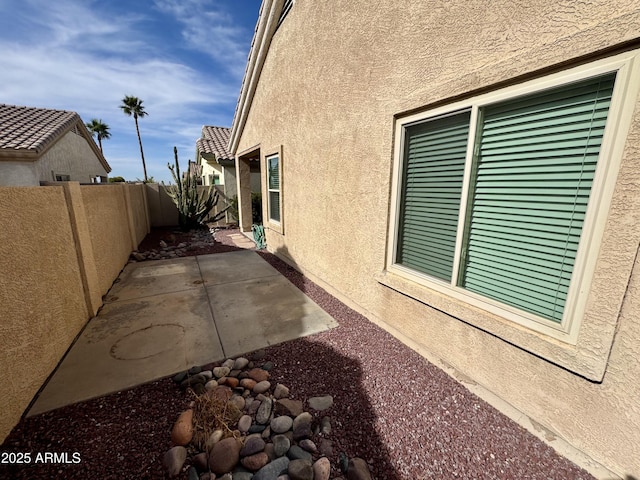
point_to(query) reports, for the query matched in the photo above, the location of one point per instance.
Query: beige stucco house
(44, 145)
(465, 174)
(216, 165)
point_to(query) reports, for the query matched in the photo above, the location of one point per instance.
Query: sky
(184, 58)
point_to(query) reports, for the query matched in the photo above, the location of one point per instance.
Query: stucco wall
(211, 168)
(140, 212)
(106, 212)
(71, 155)
(163, 211)
(19, 174)
(365, 64)
(70, 236)
(38, 319)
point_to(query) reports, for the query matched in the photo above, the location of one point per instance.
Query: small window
(273, 184)
(59, 177)
(216, 179)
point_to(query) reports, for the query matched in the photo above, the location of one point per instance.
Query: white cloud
(209, 29)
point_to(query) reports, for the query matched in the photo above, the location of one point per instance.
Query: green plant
(233, 207)
(256, 207)
(133, 106)
(193, 205)
(148, 180)
(116, 179)
(100, 130)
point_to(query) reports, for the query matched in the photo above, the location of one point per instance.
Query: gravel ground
(403, 415)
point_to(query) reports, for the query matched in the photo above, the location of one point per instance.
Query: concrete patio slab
(143, 279)
(162, 317)
(132, 342)
(233, 267)
(255, 313)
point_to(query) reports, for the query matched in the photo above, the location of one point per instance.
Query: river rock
(297, 453)
(173, 460)
(224, 455)
(240, 363)
(244, 424)
(286, 406)
(281, 424)
(300, 470)
(251, 446)
(200, 461)
(264, 411)
(280, 391)
(262, 387)
(321, 403)
(358, 470)
(182, 431)
(248, 383)
(258, 374)
(308, 445)
(322, 469)
(256, 461)
(220, 372)
(272, 469)
(281, 445)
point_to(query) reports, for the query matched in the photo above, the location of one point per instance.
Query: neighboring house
(216, 165)
(45, 145)
(466, 175)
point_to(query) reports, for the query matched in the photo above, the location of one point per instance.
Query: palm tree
(100, 130)
(133, 106)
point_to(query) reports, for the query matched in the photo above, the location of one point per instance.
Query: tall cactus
(193, 206)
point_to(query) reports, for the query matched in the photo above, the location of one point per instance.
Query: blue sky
(184, 58)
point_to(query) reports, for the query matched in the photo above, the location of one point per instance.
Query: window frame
(273, 224)
(618, 123)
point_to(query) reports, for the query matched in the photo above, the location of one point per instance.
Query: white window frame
(273, 224)
(619, 120)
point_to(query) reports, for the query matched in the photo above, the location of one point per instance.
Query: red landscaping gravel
(405, 417)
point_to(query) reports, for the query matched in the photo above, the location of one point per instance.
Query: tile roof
(215, 140)
(33, 129)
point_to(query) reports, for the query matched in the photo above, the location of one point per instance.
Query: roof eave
(89, 138)
(265, 28)
(18, 154)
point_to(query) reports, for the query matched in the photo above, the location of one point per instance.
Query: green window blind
(274, 188)
(274, 206)
(274, 173)
(534, 172)
(434, 162)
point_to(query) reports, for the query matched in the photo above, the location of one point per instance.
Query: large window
(273, 187)
(496, 199)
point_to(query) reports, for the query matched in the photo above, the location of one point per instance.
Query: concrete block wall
(61, 248)
(162, 210)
